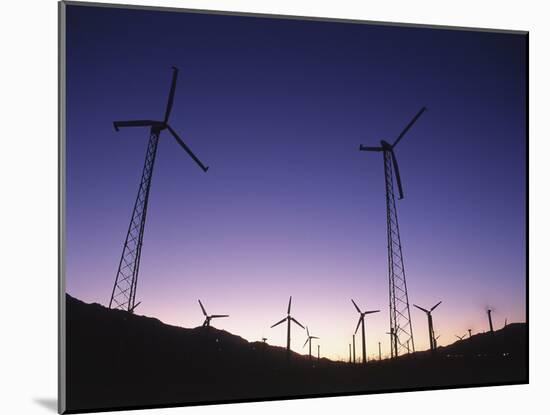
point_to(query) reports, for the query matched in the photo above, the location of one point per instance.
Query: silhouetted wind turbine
(379, 351)
(362, 323)
(400, 315)
(123, 296)
(208, 318)
(430, 323)
(309, 338)
(490, 320)
(435, 340)
(264, 339)
(470, 332)
(288, 319)
(460, 337)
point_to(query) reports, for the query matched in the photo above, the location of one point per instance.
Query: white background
(28, 203)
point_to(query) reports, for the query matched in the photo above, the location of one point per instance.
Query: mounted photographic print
(258, 207)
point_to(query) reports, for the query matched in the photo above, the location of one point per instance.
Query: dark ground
(117, 360)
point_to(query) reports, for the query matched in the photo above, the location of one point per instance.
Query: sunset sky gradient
(277, 108)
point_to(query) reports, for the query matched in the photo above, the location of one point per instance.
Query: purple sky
(277, 109)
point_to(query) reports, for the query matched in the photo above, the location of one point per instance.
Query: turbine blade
(187, 149)
(409, 125)
(202, 308)
(276, 324)
(358, 323)
(433, 308)
(367, 148)
(314, 337)
(289, 303)
(420, 308)
(134, 307)
(397, 175)
(171, 94)
(305, 343)
(307, 330)
(356, 307)
(297, 322)
(219, 315)
(135, 123)
(371, 312)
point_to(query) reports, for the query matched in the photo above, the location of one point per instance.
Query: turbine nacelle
(388, 148)
(158, 126)
(288, 317)
(429, 312)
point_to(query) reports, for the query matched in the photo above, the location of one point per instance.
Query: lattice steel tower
(400, 315)
(124, 290)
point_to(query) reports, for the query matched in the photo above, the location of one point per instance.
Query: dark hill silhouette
(118, 360)
(510, 340)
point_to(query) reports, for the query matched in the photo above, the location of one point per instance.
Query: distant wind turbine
(288, 319)
(430, 323)
(309, 338)
(490, 320)
(435, 340)
(208, 318)
(362, 323)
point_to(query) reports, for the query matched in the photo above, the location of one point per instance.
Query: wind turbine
(288, 319)
(400, 315)
(460, 337)
(490, 320)
(435, 340)
(309, 338)
(208, 318)
(430, 324)
(123, 296)
(362, 323)
(470, 332)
